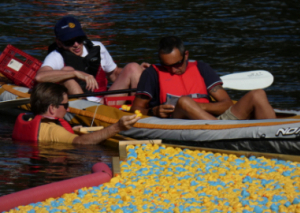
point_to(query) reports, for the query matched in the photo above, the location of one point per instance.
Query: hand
(126, 122)
(163, 111)
(76, 128)
(145, 65)
(91, 83)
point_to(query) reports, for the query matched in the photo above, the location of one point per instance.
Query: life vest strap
(198, 95)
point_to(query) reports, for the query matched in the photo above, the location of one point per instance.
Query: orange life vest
(190, 83)
(28, 130)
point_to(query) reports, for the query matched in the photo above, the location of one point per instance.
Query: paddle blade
(14, 103)
(249, 80)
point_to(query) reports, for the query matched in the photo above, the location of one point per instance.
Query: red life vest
(190, 83)
(25, 130)
(101, 80)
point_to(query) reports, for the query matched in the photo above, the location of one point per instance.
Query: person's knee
(133, 68)
(184, 102)
(257, 92)
(258, 95)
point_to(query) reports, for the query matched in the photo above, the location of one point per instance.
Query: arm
(141, 102)
(47, 74)
(215, 90)
(223, 101)
(125, 123)
(52, 69)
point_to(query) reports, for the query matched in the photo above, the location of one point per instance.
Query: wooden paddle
(249, 80)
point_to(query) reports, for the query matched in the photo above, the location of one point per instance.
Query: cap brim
(71, 35)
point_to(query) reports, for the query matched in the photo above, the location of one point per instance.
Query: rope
(94, 115)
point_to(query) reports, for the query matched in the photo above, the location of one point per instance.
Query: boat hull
(269, 135)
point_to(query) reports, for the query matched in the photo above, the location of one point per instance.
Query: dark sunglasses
(66, 105)
(71, 42)
(178, 64)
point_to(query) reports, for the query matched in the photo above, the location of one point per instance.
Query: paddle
(249, 80)
(110, 92)
(21, 101)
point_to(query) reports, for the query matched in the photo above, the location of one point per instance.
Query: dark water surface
(229, 35)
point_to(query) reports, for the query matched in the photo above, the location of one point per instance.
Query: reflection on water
(231, 36)
(24, 166)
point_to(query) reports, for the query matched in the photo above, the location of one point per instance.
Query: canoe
(280, 135)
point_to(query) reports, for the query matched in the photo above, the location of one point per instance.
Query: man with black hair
(83, 65)
(49, 104)
(180, 88)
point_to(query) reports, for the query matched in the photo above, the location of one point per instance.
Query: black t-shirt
(149, 85)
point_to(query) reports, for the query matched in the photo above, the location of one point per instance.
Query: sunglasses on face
(178, 64)
(66, 105)
(71, 42)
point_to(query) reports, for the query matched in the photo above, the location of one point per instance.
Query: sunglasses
(178, 64)
(71, 42)
(66, 105)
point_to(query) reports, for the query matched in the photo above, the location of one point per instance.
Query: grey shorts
(227, 115)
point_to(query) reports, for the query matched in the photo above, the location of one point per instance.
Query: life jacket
(28, 130)
(90, 64)
(190, 83)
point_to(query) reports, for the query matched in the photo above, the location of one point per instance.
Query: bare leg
(186, 107)
(71, 84)
(128, 78)
(255, 105)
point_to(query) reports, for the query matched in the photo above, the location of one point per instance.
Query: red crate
(112, 100)
(18, 66)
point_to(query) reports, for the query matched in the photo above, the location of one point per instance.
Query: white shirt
(56, 61)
